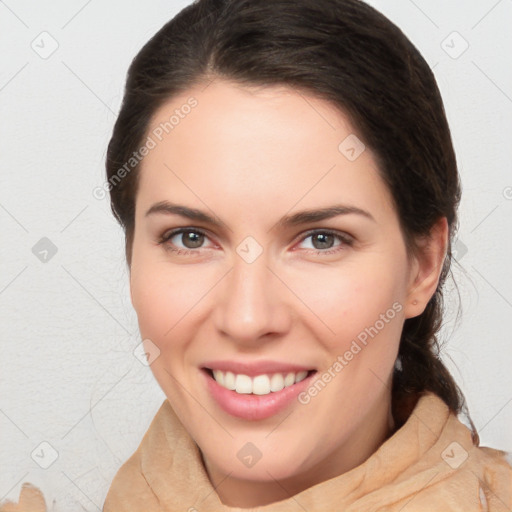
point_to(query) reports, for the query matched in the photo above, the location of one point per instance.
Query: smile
(255, 391)
(258, 385)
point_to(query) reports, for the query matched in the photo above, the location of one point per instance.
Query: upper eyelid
(167, 235)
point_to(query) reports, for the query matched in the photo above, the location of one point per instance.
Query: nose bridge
(251, 303)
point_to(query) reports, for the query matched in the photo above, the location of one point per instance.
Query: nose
(251, 303)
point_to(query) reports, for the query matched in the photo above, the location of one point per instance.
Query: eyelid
(345, 238)
(341, 234)
(171, 233)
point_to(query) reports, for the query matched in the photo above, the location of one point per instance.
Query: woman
(285, 177)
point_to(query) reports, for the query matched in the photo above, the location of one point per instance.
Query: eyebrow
(295, 219)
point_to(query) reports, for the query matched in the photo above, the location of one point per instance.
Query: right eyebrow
(168, 208)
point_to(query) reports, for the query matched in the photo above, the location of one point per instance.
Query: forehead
(265, 147)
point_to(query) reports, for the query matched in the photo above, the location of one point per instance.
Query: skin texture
(249, 157)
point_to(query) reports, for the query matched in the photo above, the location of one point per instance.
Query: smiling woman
(288, 239)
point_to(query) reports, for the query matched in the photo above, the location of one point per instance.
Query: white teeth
(289, 380)
(219, 376)
(276, 382)
(259, 385)
(301, 376)
(229, 380)
(243, 384)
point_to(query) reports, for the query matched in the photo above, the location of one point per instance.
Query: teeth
(289, 380)
(243, 384)
(219, 377)
(276, 382)
(259, 385)
(229, 380)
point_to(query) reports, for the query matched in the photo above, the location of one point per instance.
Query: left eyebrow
(308, 216)
(303, 217)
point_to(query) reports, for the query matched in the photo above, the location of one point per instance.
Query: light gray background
(68, 373)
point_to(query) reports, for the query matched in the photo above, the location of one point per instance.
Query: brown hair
(349, 54)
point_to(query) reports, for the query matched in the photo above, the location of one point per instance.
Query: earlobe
(429, 261)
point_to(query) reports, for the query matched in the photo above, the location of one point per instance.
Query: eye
(322, 241)
(191, 238)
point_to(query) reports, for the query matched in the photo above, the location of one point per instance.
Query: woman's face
(263, 297)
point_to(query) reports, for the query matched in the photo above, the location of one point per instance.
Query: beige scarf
(429, 464)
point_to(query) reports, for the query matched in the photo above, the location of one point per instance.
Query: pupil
(325, 238)
(193, 238)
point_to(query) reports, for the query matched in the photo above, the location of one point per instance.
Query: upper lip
(254, 368)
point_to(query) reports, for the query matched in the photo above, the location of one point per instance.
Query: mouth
(263, 384)
(257, 396)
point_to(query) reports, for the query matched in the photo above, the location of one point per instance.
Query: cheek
(352, 300)
(161, 298)
(170, 301)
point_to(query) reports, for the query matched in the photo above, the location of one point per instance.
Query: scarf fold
(429, 464)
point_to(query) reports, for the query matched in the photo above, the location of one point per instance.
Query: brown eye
(324, 241)
(191, 239)
(183, 240)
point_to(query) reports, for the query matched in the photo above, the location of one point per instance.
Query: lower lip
(254, 407)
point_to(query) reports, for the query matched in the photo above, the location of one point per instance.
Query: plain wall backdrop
(68, 374)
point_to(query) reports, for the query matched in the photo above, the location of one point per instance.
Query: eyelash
(346, 241)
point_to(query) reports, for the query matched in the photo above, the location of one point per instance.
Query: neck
(353, 451)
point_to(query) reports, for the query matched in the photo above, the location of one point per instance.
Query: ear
(426, 268)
